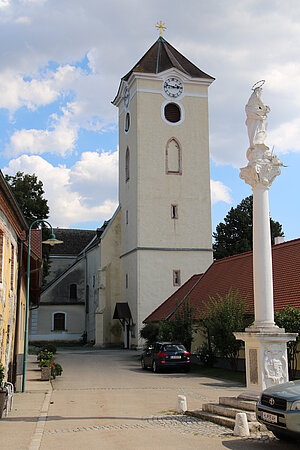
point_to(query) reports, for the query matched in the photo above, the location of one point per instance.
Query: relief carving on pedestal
(275, 364)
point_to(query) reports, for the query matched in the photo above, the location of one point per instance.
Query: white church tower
(164, 180)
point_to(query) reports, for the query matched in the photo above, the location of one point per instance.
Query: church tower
(164, 180)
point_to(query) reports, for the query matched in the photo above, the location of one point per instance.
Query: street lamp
(50, 241)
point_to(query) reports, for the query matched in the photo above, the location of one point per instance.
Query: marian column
(265, 342)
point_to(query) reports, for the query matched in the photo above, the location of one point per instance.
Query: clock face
(126, 96)
(173, 87)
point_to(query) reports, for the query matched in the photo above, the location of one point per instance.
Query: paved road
(105, 401)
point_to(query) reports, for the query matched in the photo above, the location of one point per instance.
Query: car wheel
(187, 369)
(144, 367)
(155, 367)
(282, 436)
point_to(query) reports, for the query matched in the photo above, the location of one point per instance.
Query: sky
(60, 66)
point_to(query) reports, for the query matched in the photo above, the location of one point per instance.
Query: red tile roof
(35, 242)
(236, 272)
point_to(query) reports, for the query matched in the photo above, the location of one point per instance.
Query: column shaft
(262, 258)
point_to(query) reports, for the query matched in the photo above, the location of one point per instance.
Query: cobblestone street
(105, 401)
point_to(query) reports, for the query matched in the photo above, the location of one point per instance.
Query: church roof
(163, 56)
(236, 272)
(74, 241)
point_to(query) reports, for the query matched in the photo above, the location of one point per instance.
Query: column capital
(263, 167)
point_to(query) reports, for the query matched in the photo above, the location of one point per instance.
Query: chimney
(278, 240)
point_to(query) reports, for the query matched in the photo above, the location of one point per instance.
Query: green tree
(29, 194)
(234, 235)
(177, 329)
(150, 333)
(225, 316)
(289, 318)
(180, 328)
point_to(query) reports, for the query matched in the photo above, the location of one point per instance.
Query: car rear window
(174, 348)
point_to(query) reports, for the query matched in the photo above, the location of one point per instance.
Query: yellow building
(13, 261)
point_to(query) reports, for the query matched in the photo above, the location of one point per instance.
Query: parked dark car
(279, 410)
(166, 355)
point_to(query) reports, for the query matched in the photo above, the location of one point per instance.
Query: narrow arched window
(59, 322)
(173, 157)
(127, 165)
(73, 291)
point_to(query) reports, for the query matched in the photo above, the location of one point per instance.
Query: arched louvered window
(172, 112)
(173, 157)
(127, 164)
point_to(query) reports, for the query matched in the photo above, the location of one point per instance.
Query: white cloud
(220, 192)
(4, 4)
(59, 138)
(286, 137)
(68, 204)
(23, 20)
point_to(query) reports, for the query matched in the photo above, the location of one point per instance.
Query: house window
(73, 291)
(1, 256)
(173, 157)
(172, 112)
(94, 280)
(126, 216)
(59, 321)
(174, 211)
(176, 278)
(12, 267)
(126, 280)
(127, 165)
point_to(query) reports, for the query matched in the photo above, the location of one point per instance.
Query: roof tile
(236, 272)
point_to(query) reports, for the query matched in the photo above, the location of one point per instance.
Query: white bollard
(241, 427)
(182, 404)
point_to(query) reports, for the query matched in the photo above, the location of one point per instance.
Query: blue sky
(60, 67)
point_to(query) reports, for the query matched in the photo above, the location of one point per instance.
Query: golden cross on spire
(161, 27)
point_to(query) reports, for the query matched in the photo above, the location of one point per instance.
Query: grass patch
(219, 373)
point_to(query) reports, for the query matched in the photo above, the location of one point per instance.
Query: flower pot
(46, 373)
(2, 401)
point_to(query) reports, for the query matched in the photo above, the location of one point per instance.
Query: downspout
(85, 296)
(17, 324)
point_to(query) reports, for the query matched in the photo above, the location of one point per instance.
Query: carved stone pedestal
(266, 359)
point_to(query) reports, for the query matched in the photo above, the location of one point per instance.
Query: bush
(207, 355)
(150, 332)
(225, 316)
(180, 328)
(289, 318)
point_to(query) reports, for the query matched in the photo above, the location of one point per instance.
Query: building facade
(62, 313)
(13, 277)
(164, 179)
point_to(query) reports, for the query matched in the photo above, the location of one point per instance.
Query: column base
(266, 358)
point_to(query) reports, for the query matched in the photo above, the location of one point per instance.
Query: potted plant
(45, 362)
(56, 370)
(2, 390)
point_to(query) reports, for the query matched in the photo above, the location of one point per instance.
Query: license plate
(175, 357)
(268, 417)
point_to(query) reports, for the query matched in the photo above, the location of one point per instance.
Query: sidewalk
(18, 428)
